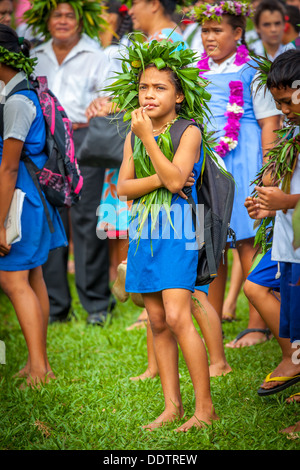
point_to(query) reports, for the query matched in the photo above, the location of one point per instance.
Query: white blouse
(263, 102)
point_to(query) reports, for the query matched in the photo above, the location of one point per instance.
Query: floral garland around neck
(234, 110)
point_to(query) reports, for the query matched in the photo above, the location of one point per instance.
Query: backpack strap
(32, 169)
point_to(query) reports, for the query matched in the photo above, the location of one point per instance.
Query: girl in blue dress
(20, 263)
(244, 121)
(162, 256)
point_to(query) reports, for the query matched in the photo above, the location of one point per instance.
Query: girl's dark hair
(268, 5)
(11, 41)
(175, 80)
(238, 22)
(285, 70)
(293, 17)
(169, 6)
(124, 19)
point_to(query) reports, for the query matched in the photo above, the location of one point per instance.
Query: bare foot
(139, 323)
(23, 373)
(34, 380)
(295, 428)
(217, 370)
(148, 374)
(165, 418)
(200, 420)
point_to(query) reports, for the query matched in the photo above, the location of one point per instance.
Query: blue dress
(36, 242)
(246, 159)
(167, 258)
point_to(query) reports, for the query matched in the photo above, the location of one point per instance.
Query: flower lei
(17, 60)
(214, 12)
(234, 110)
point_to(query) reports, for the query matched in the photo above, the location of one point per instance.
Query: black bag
(104, 142)
(215, 191)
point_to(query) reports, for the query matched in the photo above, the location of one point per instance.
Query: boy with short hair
(282, 81)
(269, 21)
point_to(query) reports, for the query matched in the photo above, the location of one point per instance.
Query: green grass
(94, 406)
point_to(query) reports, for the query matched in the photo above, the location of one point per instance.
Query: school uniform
(23, 120)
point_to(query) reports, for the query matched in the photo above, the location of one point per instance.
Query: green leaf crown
(163, 54)
(88, 13)
(17, 60)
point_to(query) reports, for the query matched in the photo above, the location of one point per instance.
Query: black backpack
(215, 191)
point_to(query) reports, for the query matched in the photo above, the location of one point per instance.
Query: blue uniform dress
(245, 160)
(36, 242)
(167, 258)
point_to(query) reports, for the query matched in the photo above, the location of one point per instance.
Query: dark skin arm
(9, 167)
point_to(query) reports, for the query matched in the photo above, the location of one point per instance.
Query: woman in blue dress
(244, 120)
(20, 263)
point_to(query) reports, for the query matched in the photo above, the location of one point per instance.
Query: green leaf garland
(17, 60)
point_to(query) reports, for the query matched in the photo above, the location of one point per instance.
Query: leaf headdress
(163, 54)
(17, 60)
(88, 12)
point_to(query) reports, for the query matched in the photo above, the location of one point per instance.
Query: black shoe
(99, 318)
(61, 318)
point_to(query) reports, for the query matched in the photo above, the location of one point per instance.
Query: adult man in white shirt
(77, 69)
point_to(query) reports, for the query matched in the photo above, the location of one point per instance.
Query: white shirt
(282, 248)
(19, 111)
(79, 79)
(263, 103)
(258, 48)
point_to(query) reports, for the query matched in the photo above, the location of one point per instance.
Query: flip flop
(291, 398)
(287, 382)
(266, 331)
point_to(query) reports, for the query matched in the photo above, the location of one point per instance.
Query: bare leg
(217, 288)
(152, 369)
(166, 352)
(246, 252)
(30, 315)
(268, 305)
(38, 285)
(179, 320)
(236, 282)
(210, 326)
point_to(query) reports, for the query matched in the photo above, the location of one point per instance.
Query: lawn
(94, 406)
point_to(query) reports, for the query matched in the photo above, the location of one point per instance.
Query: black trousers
(91, 255)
